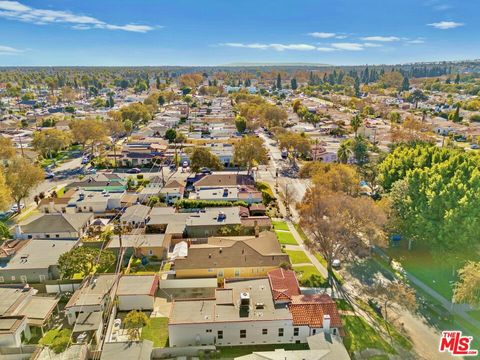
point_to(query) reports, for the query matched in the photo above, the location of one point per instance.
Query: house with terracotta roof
(244, 312)
(317, 312)
(284, 285)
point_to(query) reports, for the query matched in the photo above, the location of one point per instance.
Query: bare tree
(340, 224)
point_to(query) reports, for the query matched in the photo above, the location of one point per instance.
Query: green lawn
(361, 336)
(49, 336)
(475, 314)
(298, 257)
(309, 276)
(436, 271)
(229, 352)
(280, 225)
(156, 331)
(285, 237)
(302, 234)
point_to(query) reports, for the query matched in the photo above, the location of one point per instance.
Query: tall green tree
(22, 177)
(279, 82)
(201, 157)
(293, 84)
(249, 152)
(355, 123)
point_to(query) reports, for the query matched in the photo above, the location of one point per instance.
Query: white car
(336, 263)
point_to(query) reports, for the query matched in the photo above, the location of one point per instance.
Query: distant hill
(297, 64)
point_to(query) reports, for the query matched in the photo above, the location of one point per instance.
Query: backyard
(157, 331)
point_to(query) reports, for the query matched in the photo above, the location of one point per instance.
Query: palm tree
(355, 123)
(344, 152)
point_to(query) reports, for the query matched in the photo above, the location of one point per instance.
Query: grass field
(298, 257)
(156, 331)
(436, 271)
(280, 225)
(309, 276)
(361, 336)
(285, 237)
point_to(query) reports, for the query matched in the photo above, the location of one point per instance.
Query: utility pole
(21, 146)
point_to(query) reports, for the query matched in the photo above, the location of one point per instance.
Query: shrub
(61, 341)
(475, 117)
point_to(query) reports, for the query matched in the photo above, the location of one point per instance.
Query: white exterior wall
(61, 235)
(196, 334)
(135, 302)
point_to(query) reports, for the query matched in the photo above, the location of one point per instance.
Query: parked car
(185, 164)
(336, 263)
(14, 208)
(475, 146)
(134, 171)
(49, 175)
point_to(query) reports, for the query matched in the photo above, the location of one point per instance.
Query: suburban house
(93, 295)
(135, 216)
(56, 204)
(172, 191)
(209, 221)
(151, 189)
(244, 313)
(96, 202)
(231, 193)
(55, 226)
(284, 285)
(100, 182)
(137, 292)
(232, 257)
(225, 179)
(20, 311)
(139, 245)
(31, 261)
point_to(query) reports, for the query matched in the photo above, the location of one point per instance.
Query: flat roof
(137, 285)
(132, 350)
(38, 309)
(210, 216)
(262, 307)
(11, 295)
(92, 291)
(38, 254)
(137, 240)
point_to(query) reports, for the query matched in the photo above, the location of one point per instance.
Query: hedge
(200, 204)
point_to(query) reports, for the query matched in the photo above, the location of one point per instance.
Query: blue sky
(215, 32)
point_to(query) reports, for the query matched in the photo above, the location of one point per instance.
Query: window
(23, 279)
(280, 332)
(264, 331)
(42, 278)
(220, 334)
(314, 331)
(237, 272)
(334, 331)
(295, 331)
(47, 236)
(150, 253)
(13, 278)
(2, 280)
(208, 330)
(243, 334)
(57, 235)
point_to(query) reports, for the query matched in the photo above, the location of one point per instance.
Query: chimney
(256, 228)
(326, 323)
(50, 206)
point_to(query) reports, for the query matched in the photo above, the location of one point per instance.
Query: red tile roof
(309, 310)
(283, 283)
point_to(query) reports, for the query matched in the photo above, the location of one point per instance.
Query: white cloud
(8, 50)
(322, 35)
(327, 35)
(348, 46)
(325, 49)
(277, 47)
(14, 10)
(380, 38)
(372, 45)
(444, 25)
(416, 41)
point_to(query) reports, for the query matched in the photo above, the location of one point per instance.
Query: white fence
(61, 288)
